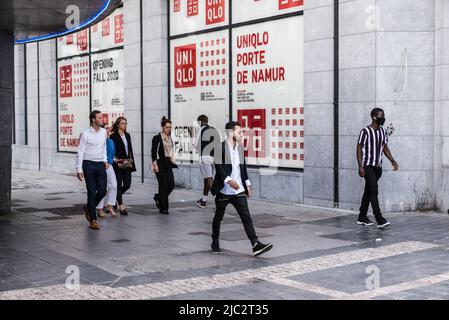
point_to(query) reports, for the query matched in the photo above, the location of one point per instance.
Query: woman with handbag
(124, 160)
(163, 156)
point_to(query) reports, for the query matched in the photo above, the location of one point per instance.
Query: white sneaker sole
(202, 207)
(265, 249)
(365, 224)
(381, 226)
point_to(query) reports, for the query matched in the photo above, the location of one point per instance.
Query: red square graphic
(81, 40)
(254, 124)
(105, 27)
(192, 8)
(118, 29)
(286, 4)
(65, 81)
(215, 11)
(185, 66)
(69, 39)
(105, 118)
(176, 5)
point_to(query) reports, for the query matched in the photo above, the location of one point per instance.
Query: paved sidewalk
(318, 253)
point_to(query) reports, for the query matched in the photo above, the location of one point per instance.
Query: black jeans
(96, 183)
(240, 203)
(372, 176)
(123, 183)
(166, 182)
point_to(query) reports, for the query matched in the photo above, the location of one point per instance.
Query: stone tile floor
(318, 253)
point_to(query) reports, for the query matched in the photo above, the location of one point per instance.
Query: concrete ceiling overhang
(34, 20)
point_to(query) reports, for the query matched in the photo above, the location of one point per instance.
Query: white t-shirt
(125, 142)
(235, 174)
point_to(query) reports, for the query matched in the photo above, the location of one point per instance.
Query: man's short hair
(232, 124)
(375, 111)
(93, 115)
(203, 118)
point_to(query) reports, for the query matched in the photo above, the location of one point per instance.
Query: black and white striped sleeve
(362, 137)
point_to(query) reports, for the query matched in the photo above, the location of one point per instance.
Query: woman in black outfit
(123, 151)
(163, 156)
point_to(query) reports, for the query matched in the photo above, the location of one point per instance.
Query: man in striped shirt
(372, 144)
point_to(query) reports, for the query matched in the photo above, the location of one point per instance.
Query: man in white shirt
(231, 185)
(91, 165)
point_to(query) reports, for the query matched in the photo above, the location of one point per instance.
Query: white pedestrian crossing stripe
(273, 273)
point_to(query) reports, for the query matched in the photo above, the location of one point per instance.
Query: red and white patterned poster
(268, 91)
(73, 44)
(248, 10)
(108, 33)
(73, 101)
(197, 15)
(199, 85)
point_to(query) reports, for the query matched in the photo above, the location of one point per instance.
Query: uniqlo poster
(247, 10)
(73, 44)
(196, 15)
(108, 33)
(199, 84)
(73, 101)
(268, 93)
(108, 87)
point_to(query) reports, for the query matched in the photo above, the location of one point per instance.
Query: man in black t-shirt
(207, 137)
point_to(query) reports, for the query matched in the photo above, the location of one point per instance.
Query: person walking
(372, 144)
(91, 165)
(124, 160)
(232, 186)
(111, 197)
(207, 137)
(163, 157)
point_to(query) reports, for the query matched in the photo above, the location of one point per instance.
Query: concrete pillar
(6, 113)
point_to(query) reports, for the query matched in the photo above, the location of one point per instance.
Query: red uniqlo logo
(118, 28)
(81, 40)
(176, 5)
(69, 39)
(286, 4)
(215, 11)
(185, 66)
(254, 124)
(192, 8)
(105, 118)
(105, 27)
(65, 81)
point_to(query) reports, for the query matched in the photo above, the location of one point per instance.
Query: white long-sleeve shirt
(235, 174)
(92, 147)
